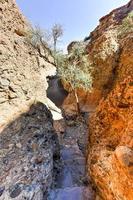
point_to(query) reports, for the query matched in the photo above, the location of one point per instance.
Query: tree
(75, 70)
(57, 32)
(37, 36)
(45, 38)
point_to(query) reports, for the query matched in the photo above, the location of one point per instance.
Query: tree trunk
(54, 46)
(77, 101)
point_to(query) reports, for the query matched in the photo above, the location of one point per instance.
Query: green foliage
(75, 68)
(127, 25)
(36, 37)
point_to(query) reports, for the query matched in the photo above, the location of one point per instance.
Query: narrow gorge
(58, 142)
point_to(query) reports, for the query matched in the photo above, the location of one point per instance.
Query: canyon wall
(105, 50)
(28, 141)
(27, 137)
(110, 160)
(23, 69)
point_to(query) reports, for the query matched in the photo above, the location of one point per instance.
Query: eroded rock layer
(23, 69)
(111, 147)
(27, 139)
(111, 153)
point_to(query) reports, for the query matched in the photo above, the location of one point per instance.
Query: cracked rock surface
(27, 148)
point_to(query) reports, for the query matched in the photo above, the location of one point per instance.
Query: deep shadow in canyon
(56, 92)
(28, 148)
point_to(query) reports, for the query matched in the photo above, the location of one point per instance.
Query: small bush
(109, 46)
(75, 68)
(127, 25)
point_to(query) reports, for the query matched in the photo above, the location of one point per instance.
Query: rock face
(27, 148)
(87, 101)
(110, 158)
(26, 131)
(111, 131)
(107, 52)
(23, 69)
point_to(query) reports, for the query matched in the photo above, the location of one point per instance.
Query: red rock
(111, 125)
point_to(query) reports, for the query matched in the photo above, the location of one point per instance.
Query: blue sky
(78, 17)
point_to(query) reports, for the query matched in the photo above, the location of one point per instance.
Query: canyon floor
(72, 181)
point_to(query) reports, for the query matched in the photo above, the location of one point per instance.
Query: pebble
(19, 145)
